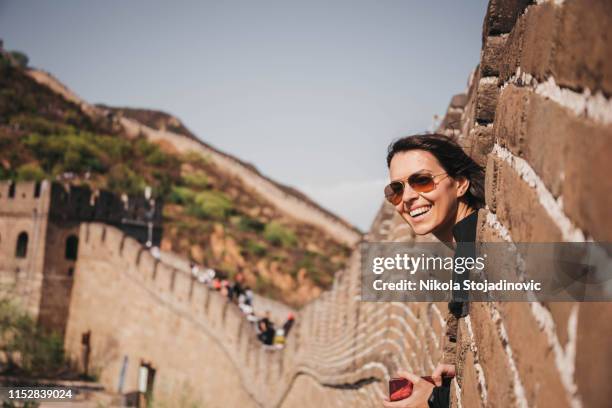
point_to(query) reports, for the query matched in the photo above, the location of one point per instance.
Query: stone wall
(148, 312)
(540, 118)
(135, 306)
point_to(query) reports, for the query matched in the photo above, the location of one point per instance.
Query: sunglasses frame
(407, 180)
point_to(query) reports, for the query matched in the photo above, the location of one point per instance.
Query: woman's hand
(420, 393)
(443, 370)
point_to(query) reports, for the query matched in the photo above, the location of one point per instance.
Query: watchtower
(39, 239)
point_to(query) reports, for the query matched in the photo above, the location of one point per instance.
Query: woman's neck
(445, 233)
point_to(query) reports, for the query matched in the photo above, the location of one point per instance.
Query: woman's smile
(419, 212)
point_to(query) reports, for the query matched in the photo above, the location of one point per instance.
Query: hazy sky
(311, 92)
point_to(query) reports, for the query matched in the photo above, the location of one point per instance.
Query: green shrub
(250, 224)
(279, 235)
(181, 195)
(116, 148)
(255, 248)
(77, 152)
(30, 172)
(319, 277)
(28, 348)
(197, 180)
(196, 158)
(157, 158)
(211, 205)
(121, 179)
(38, 124)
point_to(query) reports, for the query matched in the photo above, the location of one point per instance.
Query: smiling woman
(436, 188)
(434, 184)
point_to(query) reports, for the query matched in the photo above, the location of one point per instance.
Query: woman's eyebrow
(412, 174)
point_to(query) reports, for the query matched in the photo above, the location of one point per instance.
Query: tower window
(22, 245)
(72, 247)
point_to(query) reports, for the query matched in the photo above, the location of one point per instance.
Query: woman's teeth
(419, 211)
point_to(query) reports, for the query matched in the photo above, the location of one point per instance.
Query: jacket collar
(465, 230)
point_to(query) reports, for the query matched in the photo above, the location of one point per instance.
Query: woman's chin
(422, 231)
(421, 228)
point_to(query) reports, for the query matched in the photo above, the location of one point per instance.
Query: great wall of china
(538, 114)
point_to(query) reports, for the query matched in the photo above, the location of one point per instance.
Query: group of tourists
(269, 335)
(237, 292)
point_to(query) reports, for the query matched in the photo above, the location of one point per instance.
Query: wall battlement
(68, 203)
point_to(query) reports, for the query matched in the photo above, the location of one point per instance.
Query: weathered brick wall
(545, 83)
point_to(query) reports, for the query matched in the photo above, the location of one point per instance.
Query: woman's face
(440, 204)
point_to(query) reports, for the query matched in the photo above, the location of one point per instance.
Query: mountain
(218, 210)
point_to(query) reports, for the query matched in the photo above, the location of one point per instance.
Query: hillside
(210, 215)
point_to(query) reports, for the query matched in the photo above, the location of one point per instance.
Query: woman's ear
(463, 184)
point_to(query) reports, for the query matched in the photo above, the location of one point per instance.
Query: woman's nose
(409, 194)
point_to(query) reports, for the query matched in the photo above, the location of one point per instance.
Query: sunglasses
(421, 182)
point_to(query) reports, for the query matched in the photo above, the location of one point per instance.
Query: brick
(594, 354)
(491, 179)
(492, 356)
(486, 233)
(486, 102)
(501, 16)
(458, 101)
(509, 127)
(587, 186)
(482, 142)
(470, 389)
(533, 356)
(554, 142)
(452, 119)
(535, 129)
(584, 45)
(531, 43)
(538, 40)
(560, 312)
(526, 219)
(492, 55)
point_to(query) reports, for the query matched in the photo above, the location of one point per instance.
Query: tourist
(195, 270)
(248, 293)
(433, 173)
(288, 324)
(279, 339)
(266, 329)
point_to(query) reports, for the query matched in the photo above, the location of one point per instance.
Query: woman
(436, 188)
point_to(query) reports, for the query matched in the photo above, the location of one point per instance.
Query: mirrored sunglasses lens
(394, 192)
(421, 183)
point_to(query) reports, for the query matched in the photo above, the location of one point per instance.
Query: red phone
(401, 388)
